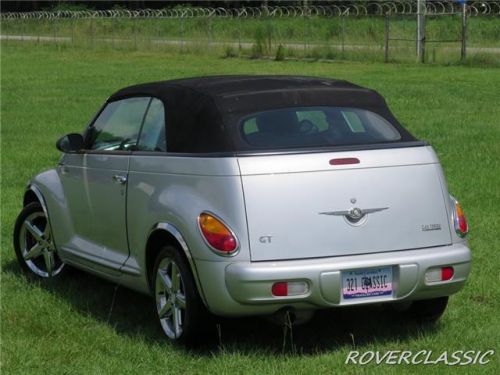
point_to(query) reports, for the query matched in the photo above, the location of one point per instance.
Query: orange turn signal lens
(459, 220)
(217, 234)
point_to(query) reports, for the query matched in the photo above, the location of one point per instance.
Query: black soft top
(203, 113)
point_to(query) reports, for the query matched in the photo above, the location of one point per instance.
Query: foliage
(280, 53)
(349, 38)
(230, 51)
(63, 5)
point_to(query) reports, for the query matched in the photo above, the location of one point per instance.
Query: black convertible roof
(220, 86)
(202, 113)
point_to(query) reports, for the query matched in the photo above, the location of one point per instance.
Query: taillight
(438, 274)
(459, 220)
(447, 273)
(280, 289)
(289, 288)
(217, 234)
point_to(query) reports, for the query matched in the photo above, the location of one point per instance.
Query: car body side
(165, 195)
(162, 192)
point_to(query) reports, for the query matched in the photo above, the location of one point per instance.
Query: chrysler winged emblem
(355, 214)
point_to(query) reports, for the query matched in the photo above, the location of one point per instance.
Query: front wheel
(33, 244)
(180, 311)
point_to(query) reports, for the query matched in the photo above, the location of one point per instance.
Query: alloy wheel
(170, 298)
(37, 247)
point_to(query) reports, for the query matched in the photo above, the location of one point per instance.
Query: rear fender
(177, 239)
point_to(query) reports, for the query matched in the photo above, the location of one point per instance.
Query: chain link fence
(375, 30)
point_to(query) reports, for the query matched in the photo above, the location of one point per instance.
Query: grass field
(70, 328)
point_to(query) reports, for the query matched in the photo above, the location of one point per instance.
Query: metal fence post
(269, 34)
(158, 32)
(113, 33)
(209, 30)
(239, 35)
(134, 23)
(181, 20)
(7, 33)
(463, 51)
(304, 35)
(38, 33)
(73, 31)
(421, 30)
(54, 32)
(343, 35)
(92, 32)
(386, 38)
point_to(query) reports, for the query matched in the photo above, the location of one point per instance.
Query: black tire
(32, 234)
(195, 321)
(428, 310)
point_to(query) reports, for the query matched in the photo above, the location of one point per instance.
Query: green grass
(69, 328)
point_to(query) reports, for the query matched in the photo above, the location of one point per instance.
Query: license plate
(366, 283)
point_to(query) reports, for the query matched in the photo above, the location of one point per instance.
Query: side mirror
(70, 143)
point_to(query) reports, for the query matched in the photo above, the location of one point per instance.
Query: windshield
(316, 127)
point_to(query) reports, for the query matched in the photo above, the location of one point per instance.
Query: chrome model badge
(355, 214)
(429, 227)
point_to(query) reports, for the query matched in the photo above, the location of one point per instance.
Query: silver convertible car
(249, 195)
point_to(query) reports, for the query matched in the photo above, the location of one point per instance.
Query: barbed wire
(399, 7)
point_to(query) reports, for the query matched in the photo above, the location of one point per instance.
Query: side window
(152, 136)
(118, 125)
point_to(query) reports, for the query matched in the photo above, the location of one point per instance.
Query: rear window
(316, 127)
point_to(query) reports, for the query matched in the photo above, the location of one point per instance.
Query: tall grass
(310, 37)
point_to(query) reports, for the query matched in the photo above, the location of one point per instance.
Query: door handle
(119, 179)
(63, 169)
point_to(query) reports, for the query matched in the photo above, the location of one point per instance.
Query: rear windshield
(316, 127)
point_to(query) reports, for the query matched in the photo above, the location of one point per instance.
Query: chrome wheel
(170, 298)
(36, 246)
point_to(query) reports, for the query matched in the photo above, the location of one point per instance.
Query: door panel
(97, 203)
(95, 185)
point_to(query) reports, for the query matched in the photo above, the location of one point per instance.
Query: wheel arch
(167, 234)
(34, 195)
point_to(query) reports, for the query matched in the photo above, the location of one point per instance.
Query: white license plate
(366, 283)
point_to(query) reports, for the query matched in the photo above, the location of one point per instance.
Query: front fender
(49, 191)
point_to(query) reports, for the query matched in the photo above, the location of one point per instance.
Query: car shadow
(133, 314)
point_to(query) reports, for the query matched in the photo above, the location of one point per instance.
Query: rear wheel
(428, 310)
(33, 243)
(180, 311)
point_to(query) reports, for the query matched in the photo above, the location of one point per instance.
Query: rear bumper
(244, 288)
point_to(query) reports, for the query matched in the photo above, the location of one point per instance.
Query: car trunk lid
(307, 205)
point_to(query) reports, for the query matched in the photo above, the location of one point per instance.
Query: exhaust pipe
(288, 316)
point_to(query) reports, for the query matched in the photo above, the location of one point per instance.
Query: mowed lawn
(73, 327)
